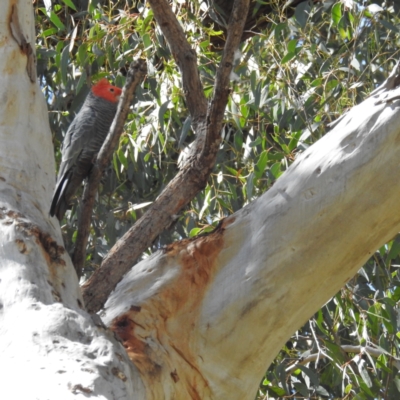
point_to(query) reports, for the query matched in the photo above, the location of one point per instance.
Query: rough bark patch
(51, 250)
(137, 349)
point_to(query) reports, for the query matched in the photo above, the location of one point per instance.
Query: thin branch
(194, 175)
(222, 82)
(185, 58)
(374, 352)
(320, 351)
(390, 83)
(135, 76)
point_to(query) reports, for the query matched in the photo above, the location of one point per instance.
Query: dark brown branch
(135, 76)
(185, 58)
(222, 81)
(193, 176)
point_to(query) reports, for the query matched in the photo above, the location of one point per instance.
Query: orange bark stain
(137, 349)
(172, 314)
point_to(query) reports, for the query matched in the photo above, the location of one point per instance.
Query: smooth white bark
(49, 346)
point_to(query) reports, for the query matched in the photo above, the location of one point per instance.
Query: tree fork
(193, 176)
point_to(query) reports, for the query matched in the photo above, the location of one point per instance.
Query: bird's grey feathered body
(82, 142)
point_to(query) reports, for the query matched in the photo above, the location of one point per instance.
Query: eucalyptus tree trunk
(49, 346)
(203, 318)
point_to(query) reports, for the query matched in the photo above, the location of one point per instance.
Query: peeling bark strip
(26, 47)
(194, 175)
(135, 76)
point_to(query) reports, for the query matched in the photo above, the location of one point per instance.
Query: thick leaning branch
(187, 183)
(135, 76)
(226, 302)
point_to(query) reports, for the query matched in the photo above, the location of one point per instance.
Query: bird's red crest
(105, 90)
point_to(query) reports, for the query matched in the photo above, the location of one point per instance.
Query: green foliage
(289, 82)
(364, 314)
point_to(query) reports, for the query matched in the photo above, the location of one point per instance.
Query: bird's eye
(111, 89)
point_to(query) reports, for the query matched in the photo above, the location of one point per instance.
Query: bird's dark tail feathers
(59, 204)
